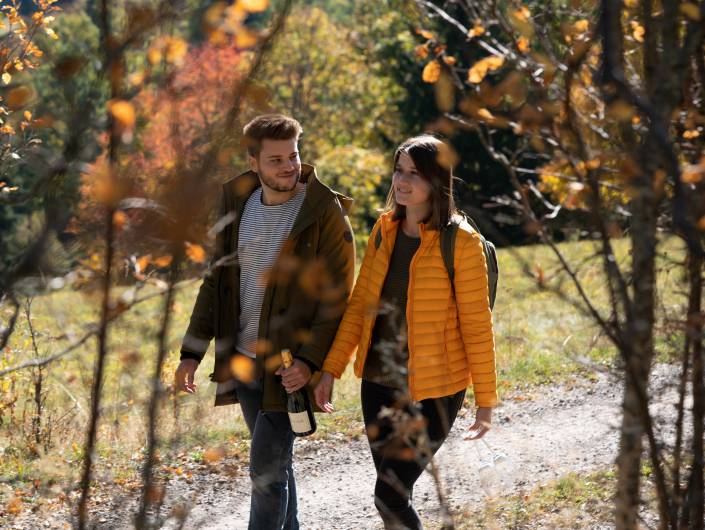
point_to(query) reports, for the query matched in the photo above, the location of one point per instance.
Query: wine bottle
(298, 405)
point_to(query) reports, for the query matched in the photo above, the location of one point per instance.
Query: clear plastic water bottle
(486, 470)
(488, 478)
(504, 468)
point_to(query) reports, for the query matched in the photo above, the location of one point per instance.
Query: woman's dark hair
(432, 158)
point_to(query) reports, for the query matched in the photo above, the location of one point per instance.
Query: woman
(418, 339)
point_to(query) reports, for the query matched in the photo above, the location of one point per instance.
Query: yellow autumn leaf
(176, 49)
(154, 55)
(6, 78)
(253, 6)
(638, 31)
(123, 112)
(27, 115)
(195, 252)
(690, 10)
(689, 135)
(431, 72)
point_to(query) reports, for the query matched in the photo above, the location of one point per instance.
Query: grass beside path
(541, 339)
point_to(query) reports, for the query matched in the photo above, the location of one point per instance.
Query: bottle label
(300, 421)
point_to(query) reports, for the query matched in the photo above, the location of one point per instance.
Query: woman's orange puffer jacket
(451, 343)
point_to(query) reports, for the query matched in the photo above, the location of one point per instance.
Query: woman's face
(410, 188)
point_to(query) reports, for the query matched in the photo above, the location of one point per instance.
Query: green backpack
(448, 235)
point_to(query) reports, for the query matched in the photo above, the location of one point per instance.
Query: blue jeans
(273, 499)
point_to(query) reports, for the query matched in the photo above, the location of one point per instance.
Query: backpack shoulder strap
(448, 237)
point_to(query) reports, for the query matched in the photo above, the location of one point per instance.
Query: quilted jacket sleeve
(350, 329)
(475, 317)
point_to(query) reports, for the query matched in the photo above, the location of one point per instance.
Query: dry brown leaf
(690, 10)
(17, 97)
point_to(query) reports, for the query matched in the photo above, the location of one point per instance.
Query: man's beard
(274, 184)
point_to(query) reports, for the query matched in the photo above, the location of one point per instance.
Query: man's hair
(269, 127)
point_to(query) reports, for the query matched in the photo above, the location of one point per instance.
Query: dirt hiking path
(547, 433)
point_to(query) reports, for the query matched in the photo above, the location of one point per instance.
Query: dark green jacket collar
(318, 195)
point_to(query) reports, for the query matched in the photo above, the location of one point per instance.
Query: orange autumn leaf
(522, 13)
(162, 261)
(479, 70)
(692, 174)
(143, 262)
(213, 455)
(123, 112)
(176, 49)
(421, 51)
(523, 44)
(246, 38)
(477, 30)
(485, 114)
(119, 219)
(14, 506)
(243, 368)
(701, 223)
(581, 26)
(425, 34)
(431, 72)
(450, 61)
(195, 252)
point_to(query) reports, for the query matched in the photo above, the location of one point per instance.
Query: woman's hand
(483, 422)
(322, 392)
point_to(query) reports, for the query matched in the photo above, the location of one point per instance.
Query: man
(281, 275)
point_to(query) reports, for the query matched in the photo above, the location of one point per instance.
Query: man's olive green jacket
(305, 296)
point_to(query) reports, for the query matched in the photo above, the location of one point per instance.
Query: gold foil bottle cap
(287, 358)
